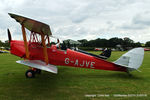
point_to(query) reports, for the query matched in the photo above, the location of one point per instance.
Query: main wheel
(30, 73)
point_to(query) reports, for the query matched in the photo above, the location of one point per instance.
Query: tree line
(111, 43)
(4, 44)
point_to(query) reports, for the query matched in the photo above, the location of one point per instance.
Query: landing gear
(130, 75)
(38, 71)
(30, 73)
(128, 72)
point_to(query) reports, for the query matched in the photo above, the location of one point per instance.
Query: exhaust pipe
(9, 35)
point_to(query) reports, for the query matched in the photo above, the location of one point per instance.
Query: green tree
(147, 44)
(6, 43)
(128, 42)
(137, 44)
(83, 42)
(115, 41)
(1, 43)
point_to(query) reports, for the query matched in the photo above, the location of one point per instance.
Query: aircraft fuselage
(63, 57)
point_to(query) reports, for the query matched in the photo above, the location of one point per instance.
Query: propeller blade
(9, 35)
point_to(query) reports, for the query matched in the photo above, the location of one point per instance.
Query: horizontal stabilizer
(132, 59)
(39, 65)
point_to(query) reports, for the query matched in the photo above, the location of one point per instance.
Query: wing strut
(25, 42)
(48, 40)
(44, 49)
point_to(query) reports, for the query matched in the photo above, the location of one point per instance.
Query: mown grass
(72, 83)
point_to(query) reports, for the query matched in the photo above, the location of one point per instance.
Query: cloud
(142, 19)
(139, 21)
(133, 26)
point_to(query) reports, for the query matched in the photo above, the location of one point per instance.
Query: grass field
(73, 83)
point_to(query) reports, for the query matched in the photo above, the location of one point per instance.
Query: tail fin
(132, 59)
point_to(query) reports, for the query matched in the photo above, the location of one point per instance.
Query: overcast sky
(81, 19)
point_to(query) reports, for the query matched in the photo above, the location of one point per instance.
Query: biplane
(39, 55)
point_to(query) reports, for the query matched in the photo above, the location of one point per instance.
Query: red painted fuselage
(63, 57)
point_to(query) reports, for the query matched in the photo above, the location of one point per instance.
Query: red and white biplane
(39, 55)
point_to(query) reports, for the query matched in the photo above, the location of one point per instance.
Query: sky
(81, 19)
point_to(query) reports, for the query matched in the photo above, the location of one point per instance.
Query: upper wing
(32, 25)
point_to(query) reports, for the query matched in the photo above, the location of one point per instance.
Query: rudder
(132, 59)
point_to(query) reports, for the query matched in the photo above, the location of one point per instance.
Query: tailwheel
(128, 72)
(30, 73)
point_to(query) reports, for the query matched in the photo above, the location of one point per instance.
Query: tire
(30, 74)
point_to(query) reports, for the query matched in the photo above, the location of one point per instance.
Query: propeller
(9, 35)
